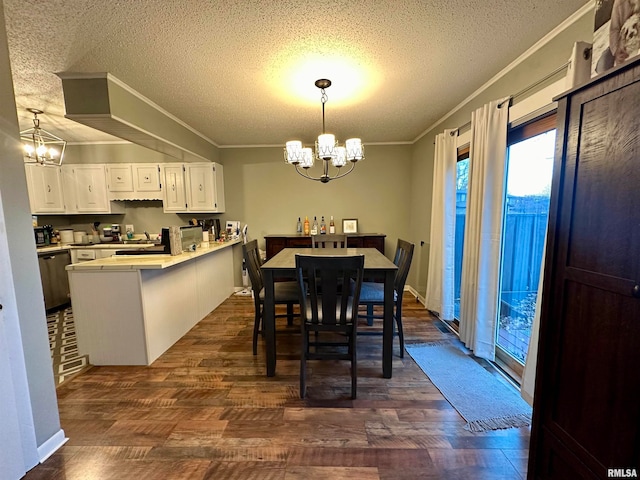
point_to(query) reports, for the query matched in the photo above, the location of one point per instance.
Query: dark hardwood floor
(205, 409)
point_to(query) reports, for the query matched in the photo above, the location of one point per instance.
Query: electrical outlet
(129, 228)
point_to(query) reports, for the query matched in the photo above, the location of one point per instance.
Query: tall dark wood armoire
(586, 416)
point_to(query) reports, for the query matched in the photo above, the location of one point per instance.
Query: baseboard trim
(415, 293)
(49, 447)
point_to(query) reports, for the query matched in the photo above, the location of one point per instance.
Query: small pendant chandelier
(41, 146)
(327, 149)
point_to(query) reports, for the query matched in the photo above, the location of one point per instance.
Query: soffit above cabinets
(101, 101)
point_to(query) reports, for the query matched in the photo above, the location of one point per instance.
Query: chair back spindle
(338, 240)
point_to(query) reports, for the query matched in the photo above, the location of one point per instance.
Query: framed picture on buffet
(349, 225)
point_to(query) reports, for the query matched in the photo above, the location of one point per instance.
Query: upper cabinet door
(219, 182)
(200, 187)
(205, 187)
(146, 178)
(119, 178)
(174, 198)
(134, 181)
(44, 184)
(91, 188)
(192, 187)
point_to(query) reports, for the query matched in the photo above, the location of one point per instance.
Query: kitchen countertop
(147, 262)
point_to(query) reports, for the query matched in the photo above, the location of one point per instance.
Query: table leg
(269, 322)
(387, 336)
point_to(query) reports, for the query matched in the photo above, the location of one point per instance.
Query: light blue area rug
(483, 400)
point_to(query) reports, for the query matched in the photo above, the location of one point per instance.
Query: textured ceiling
(242, 72)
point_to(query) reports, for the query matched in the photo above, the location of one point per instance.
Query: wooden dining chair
(325, 311)
(334, 240)
(372, 293)
(285, 293)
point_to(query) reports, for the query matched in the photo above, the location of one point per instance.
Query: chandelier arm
(353, 165)
(305, 174)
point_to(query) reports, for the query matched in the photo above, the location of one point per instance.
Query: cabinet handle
(48, 188)
(200, 187)
(635, 291)
(89, 187)
(173, 187)
(146, 178)
(119, 178)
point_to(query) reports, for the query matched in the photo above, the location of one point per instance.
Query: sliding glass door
(462, 184)
(529, 170)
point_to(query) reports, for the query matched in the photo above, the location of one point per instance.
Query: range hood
(101, 101)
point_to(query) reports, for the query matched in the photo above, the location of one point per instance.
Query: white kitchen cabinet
(119, 178)
(91, 189)
(211, 197)
(85, 190)
(200, 187)
(193, 187)
(146, 178)
(44, 184)
(134, 181)
(173, 193)
(83, 254)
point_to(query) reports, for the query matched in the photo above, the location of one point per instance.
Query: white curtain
(529, 375)
(440, 291)
(483, 230)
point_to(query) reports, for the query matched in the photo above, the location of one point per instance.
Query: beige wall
(119, 153)
(268, 195)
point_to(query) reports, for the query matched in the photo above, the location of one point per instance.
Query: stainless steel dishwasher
(55, 282)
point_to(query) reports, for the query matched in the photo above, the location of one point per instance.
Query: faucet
(147, 235)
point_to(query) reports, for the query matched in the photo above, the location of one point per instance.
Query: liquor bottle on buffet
(314, 227)
(323, 226)
(299, 226)
(306, 225)
(332, 226)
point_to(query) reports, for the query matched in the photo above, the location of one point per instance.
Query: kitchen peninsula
(128, 310)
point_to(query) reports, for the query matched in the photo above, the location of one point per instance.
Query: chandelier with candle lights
(327, 150)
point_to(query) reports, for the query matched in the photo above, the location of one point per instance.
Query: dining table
(377, 267)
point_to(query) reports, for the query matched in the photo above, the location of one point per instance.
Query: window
(462, 183)
(529, 171)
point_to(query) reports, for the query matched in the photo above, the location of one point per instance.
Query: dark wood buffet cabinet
(275, 243)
